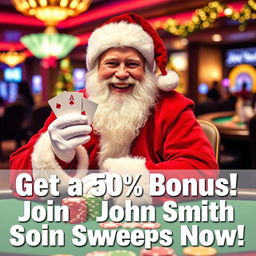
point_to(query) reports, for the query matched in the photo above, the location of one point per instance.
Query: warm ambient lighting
(216, 37)
(204, 17)
(12, 58)
(179, 61)
(184, 41)
(51, 12)
(50, 44)
(201, 19)
(228, 11)
(43, 45)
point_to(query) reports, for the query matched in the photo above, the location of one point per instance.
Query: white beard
(119, 116)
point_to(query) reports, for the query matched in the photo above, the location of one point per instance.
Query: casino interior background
(211, 45)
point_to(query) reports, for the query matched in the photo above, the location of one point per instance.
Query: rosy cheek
(138, 75)
(105, 73)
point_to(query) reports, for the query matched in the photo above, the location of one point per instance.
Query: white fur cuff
(133, 166)
(44, 163)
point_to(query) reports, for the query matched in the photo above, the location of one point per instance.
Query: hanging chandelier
(12, 58)
(51, 12)
(44, 45)
(50, 44)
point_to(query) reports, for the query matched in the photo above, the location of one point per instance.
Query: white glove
(88, 184)
(68, 132)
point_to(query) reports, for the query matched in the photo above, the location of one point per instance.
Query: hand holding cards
(72, 103)
(70, 130)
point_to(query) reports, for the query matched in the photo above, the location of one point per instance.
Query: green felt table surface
(222, 120)
(11, 209)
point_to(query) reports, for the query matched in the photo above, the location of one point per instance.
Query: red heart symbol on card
(83, 113)
(58, 106)
(71, 102)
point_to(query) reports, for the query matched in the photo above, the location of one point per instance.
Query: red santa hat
(131, 30)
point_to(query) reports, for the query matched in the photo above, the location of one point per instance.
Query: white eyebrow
(134, 59)
(110, 58)
(116, 58)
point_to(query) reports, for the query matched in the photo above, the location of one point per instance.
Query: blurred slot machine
(9, 87)
(3, 91)
(79, 78)
(37, 86)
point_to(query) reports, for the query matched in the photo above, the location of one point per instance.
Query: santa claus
(141, 126)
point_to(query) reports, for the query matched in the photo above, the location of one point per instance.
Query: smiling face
(122, 67)
(125, 90)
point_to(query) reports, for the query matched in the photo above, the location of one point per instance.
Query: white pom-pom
(168, 82)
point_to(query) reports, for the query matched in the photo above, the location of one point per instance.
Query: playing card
(88, 108)
(56, 104)
(72, 102)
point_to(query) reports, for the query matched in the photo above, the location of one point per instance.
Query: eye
(111, 63)
(133, 64)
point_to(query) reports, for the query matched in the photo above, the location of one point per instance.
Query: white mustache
(114, 80)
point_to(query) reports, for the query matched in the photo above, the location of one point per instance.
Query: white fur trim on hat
(120, 34)
(44, 163)
(168, 82)
(133, 166)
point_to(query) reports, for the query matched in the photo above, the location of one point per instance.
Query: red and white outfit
(171, 142)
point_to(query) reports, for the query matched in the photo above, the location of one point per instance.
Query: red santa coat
(170, 142)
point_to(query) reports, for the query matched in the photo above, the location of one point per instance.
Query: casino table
(226, 126)
(11, 208)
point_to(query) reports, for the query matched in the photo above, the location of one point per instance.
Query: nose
(122, 72)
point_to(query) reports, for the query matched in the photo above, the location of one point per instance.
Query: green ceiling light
(43, 45)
